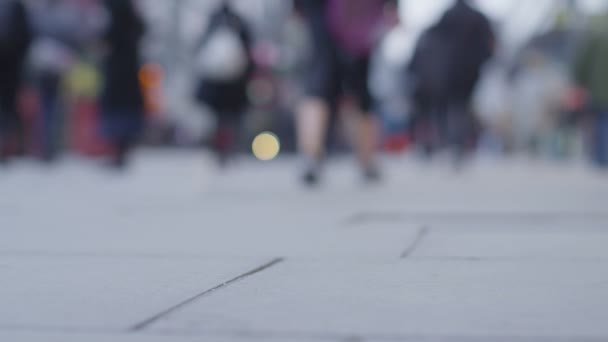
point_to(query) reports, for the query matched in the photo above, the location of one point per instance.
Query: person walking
(225, 66)
(57, 28)
(591, 76)
(15, 39)
(446, 67)
(344, 33)
(122, 99)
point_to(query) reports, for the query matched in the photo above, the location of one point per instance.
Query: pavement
(173, 250)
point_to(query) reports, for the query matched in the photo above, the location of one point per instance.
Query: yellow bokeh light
(266, 146)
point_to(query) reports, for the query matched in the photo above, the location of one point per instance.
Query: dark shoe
(5, 156)
(311, 178)
(118, 161)
(371, 175)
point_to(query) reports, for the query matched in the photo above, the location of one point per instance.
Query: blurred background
(70, 68)
(156, 158)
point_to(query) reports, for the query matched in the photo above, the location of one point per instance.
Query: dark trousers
(49, 123)
(11, 124)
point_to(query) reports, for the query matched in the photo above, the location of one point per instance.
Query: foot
(118, 162)
(5, 157)
(311, 176)
(371, 175)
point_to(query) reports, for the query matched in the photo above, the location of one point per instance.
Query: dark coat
(122, 89)
(449, 56)
(471, 40)
(12, 57)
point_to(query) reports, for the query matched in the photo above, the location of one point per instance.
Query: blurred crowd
(95, 77)
(48, 50)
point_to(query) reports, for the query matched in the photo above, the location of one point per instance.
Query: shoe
(5, 156)
(371, 175)
(118, 162)
(311, 176)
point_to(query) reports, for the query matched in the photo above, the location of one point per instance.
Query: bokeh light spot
(266, 146)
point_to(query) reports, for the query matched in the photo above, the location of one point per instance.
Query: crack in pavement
(422, 233)
(151, 320)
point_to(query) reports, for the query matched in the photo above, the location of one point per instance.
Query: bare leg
(367, 141)
(364, 140)
(312, 121)
(312, 124)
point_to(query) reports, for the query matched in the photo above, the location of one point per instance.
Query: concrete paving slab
(291, 238)
(431, 298)
(206, 228)
(86, 254)
(103, 293)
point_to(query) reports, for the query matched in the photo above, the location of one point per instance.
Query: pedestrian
(344, 33)
(56, 27)
(591, 75)
(429, 75)
(447, 66)
(122, 102)
(15, 39)
(225, 67)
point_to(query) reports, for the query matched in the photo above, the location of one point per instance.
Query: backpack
(223, 56)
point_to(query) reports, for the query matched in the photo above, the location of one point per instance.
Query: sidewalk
(171, 251)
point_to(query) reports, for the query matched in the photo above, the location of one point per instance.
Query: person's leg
(122, 127)
(438, 134)
(366, 142)
(11, 125)
(122, 151)
(4, 125)
(224, 139)
(460, 123)
(314, 112)
(312, 122)
(49, 85)
(312, 117)
(421, 125)
(3, 138)
(601, 147)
